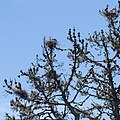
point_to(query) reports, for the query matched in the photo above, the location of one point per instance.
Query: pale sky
(24, 23)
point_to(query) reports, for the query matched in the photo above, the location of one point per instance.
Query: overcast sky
(24, 23)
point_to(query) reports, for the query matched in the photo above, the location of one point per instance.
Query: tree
(92, 92)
